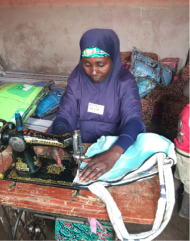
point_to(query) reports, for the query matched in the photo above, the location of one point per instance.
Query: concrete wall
(43, 36)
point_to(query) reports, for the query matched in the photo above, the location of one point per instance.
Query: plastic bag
(143, 66)
(145, 86)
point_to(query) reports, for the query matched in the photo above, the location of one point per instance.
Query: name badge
(96, 109)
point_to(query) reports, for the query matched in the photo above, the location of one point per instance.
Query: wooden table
(137, 202)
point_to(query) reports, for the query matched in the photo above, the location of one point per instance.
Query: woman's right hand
(56, 155)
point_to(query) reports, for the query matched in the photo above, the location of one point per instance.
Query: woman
(101, 99)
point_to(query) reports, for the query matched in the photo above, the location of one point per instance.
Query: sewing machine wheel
(3, 126)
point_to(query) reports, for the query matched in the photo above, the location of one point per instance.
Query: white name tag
(96, 109)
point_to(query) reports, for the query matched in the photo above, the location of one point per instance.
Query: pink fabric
(182, 139)
(176, 77)
(93, 222)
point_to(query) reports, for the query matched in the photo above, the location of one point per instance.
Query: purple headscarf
(118, 93)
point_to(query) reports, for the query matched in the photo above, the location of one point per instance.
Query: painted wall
(43, 36)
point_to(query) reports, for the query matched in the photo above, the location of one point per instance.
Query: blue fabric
(165, 75)
(49, 103)
(41, 83)
(145, 67)
(118, 93)
(146, 145)
(141, 69)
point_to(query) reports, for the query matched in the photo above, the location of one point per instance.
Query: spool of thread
(18, 120)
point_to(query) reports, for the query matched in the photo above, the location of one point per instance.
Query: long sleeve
(130, 112)
(129, 134)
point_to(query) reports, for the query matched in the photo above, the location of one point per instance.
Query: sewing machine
(28, 166)
(21, 192)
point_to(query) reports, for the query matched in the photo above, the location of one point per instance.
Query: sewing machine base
(49, 174)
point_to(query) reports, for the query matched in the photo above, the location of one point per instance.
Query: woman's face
(97, 68)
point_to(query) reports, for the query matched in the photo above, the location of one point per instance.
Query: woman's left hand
(100, 164)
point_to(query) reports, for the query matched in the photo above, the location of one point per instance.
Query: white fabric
(165, 203)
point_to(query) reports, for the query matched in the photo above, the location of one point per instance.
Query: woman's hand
(100, 164)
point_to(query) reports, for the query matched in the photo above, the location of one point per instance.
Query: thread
(18, 120)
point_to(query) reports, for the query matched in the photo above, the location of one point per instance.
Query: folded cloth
(37, 124)
(20, 98)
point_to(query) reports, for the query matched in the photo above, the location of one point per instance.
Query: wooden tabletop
(137, 202)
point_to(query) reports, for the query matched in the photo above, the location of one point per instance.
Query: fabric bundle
(148, 72)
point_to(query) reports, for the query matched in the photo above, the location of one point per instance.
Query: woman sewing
(101, 98)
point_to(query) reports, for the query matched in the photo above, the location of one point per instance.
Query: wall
(43, 36)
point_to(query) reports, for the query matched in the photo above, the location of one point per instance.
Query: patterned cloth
(74, 231)
(94, 52)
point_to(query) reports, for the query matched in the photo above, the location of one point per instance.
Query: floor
(177, 228)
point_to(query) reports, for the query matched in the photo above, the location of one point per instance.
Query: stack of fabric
(39, 100)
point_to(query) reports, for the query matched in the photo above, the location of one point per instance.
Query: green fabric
(94, 52)
(20, 98)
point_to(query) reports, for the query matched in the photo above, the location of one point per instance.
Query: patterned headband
(94, 52)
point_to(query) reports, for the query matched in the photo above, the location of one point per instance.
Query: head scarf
(94, 52)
